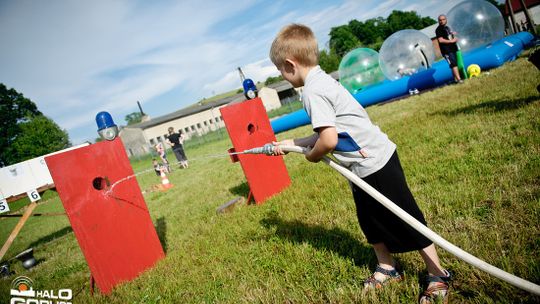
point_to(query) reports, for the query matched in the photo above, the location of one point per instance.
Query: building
(287, 93)
(196, 120)
(519, 14)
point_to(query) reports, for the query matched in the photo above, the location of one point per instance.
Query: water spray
(268, 149)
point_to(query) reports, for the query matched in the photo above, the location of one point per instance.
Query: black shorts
(179, 153)
(378, 223)
(451, 58)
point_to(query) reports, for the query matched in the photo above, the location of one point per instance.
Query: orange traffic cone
(165, 181)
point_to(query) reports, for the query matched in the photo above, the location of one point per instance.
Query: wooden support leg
(250, 196)
(17, 229)
(92, 283)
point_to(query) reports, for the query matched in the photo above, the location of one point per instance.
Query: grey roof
(281, 86)
(285, 85)
(190, 110)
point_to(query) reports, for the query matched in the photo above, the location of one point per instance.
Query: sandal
(392, 275)
(437, 290)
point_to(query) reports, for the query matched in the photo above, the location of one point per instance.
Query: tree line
(26, 133)
(370, 33)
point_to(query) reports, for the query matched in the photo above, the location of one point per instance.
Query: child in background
(161, 152)
(336, 118)
(157, 167)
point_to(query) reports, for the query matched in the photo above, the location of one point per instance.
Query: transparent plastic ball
(476, 23)
(405, 53)
(359, 68)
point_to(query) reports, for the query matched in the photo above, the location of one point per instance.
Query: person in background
(157, 167)
(448, 45)
(176, 141)
(161, 152)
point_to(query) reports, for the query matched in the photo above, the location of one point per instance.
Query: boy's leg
(438, 279)
(384, 258)
(429, 254)
(385, 271)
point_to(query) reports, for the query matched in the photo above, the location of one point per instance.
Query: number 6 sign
(33, 195)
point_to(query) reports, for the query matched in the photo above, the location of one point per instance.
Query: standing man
(176, 140)
(448, 45)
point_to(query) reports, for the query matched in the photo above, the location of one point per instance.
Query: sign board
(113, 228)
(19, 178)
(249, 127)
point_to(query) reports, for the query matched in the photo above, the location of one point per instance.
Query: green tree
(271, 80)
(329, 61)
(14, 110)
(369, 31)
(342, 40)
(24, 132)
(39, 136)
(133, 118)
(399, 20)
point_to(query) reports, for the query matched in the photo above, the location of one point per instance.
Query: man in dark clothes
(175, 140)
(448, 45)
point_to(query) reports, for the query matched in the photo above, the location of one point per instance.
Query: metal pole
(512, 17)
(530, 21)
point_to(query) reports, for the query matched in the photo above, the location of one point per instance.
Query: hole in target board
(100, 183)
(251, 128)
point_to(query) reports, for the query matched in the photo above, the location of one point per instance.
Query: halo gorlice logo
(23, 293)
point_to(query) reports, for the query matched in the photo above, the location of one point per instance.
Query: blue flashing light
(104, 120)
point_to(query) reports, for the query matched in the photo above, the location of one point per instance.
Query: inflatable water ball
(405, 53)
(359, 68)
(476, 22)
(473, 70)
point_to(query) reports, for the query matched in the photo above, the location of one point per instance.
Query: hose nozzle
(267, 149)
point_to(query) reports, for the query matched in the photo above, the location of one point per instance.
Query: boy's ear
(290, 65)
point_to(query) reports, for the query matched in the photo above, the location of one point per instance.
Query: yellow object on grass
(474, 70)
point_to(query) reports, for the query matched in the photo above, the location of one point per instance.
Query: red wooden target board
(114, 230)
(249, 127)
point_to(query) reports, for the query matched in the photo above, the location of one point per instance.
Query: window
(152, 141)
(159, 139)
(205, 123)
(198, 125)
(186, 129)
(211, 121)
(193, 128)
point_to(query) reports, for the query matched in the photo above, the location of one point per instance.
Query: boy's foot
(381, 277)
(437, 290)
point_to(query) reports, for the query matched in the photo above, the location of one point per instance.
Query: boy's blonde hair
(295, 41)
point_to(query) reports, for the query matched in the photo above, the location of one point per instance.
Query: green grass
(285, 109)
(471, 154)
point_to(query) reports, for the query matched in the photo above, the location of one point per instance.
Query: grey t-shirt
(329, 104)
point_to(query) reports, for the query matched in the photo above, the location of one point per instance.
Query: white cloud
(257, 71)
(75, 58)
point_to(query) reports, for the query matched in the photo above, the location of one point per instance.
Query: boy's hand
(277, 144)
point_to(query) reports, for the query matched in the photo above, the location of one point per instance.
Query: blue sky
(77, 58)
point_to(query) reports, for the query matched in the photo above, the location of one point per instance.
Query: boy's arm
(326, 142)
(308, 141)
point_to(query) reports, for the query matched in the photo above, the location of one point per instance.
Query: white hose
(428, 233)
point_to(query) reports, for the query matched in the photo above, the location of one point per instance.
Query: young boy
(339, 120)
